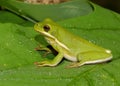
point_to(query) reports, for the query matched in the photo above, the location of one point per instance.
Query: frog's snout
(36, 26)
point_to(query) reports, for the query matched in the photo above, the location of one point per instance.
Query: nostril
(37, 24)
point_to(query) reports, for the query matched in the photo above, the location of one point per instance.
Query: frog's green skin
(70, 46)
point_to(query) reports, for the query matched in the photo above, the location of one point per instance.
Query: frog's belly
(71, 58)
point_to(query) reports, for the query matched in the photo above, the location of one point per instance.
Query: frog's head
(47, 28)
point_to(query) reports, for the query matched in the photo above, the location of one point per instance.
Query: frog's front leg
(53, 62)
(91, 57)
(43, 48)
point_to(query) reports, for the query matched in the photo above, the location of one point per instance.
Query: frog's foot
(74, 65)
(53, 62)
(46, 53)
(44, 63)
(42, 48)
(39, 48)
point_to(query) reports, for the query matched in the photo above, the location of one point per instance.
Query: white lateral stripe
(108, 51)
(61, 44)
(98, 61)
(56, 40)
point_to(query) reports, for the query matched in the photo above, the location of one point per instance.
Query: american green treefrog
(69, 46)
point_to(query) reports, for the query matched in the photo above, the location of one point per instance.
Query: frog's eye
(46, 28)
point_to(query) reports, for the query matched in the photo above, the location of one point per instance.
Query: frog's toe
(40, 64)
(73, 65)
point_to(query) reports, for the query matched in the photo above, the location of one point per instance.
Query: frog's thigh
(91, 57)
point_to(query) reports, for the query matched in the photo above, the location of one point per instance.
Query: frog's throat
(56, 40)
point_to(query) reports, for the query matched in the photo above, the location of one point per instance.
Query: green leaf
(100, 18)
(16, 46)
(57, 12)
(100, 27)
(8, 17)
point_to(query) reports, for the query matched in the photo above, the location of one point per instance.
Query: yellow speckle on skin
(20, 10)
(7, 44)
(4, 64)
(31, 39)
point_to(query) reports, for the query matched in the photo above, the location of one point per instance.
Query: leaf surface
(17, 55)
(70, 9)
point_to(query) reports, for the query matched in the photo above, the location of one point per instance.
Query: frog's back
(76, 43)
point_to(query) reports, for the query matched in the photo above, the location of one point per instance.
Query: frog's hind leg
(91, 57)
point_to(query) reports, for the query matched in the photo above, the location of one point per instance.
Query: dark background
(110, 4)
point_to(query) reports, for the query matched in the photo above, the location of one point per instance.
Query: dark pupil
(46, 28)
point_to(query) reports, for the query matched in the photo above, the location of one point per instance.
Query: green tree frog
(69, 46)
